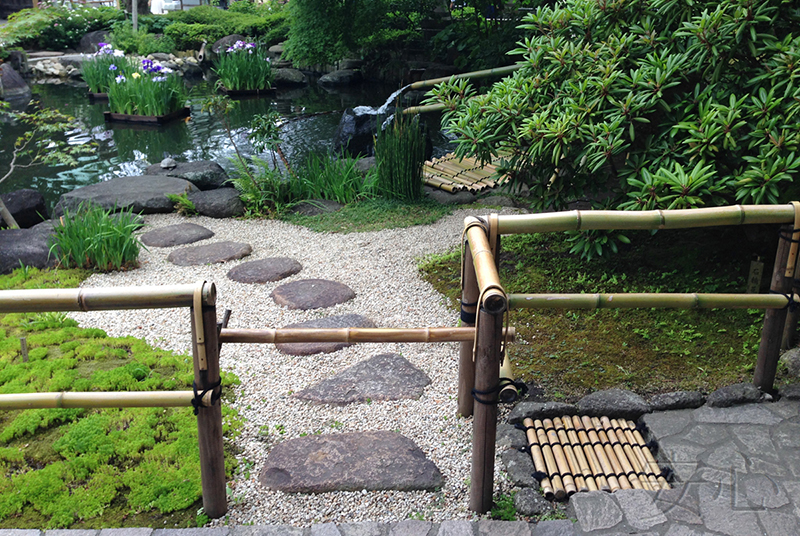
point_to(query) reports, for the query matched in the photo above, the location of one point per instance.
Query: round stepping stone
(209, 253)
(312, 294)
(265, 270)
(349, 462)
(381, 377)
(310, 348)
(175, 235)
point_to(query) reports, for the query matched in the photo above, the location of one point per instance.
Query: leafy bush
(662, 104)
(141, 42)
(336, 179)
(244, 66)
(56, 27)
(97, 239)
(192, 36)
(207, 23)
(399, 153)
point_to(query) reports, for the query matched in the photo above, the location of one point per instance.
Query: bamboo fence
(451, 174)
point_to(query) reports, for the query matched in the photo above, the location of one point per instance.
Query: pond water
(125, 150)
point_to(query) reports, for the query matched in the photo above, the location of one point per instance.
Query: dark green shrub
(191, 36)
(56, 28)
(142, 42)
(399, 154)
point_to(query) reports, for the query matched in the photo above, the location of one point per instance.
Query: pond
(125, 150)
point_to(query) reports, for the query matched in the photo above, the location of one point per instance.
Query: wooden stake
(484, 423)
(23, 349)
(774, 320)
(792, 317)
(538, 459)
(466, 363)
(209, 419)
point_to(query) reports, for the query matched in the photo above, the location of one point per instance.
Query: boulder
(142, 195)
(356, 131)
(791, 360)
(734, 395)
(365, 164)
(12, 85)
(519, 468)
(540, 410)
(446, 198)
(205, 174)
(613, 403)
(90, 42)
(342, 77)
(677, 400)
(19, 61)
(529, 502)
(29, 247)
(161, 57)
(285, 76)
(220, 203)
(26, 206)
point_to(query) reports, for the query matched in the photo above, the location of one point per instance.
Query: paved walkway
(739, 473)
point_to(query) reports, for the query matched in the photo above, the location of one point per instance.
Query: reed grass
(400, 152)
(97, 239)
(335, 179)
(100, 70)
(150, 90)
(244, 66)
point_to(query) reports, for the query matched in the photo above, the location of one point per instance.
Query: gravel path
(381, 267)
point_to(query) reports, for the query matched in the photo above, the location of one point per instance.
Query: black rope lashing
(788, 237)
(791, 304)
(652, 446)
(503, 383)
(197, 401)
(539, 475)
(666, 472)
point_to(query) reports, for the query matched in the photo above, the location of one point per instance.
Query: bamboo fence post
(466, 364)
(774, 319)
(5, 214)
(792, 317)
(205, 348)
(484, 422)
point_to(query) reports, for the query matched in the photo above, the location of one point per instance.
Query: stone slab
(308, 294)
(640, 509)
(540, 410)
(338, 321)
(666, 423)
(677, 400)
(381, 377)
(141, 531)
(411, 527)
(747, 414)
(488, 527)
(267, 530)
(265, 270)
(529, 502)
(366, 528)
(324, 529)
(215, 253)
(175, 235)
(559, 527)
(778, 524)
(596, 510)
(519, 467)
(349, 462)
(718, 513)
(455, 527)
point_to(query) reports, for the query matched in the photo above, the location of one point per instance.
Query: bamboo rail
(492, 295)
(645, 300)
(130, 399)
(486, 73)
(352, 335)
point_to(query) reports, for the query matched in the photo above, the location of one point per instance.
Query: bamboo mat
(573, 454)
(452, 174)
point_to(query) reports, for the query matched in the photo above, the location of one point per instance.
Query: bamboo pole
(559, 490)
(67, 399)
(538, 459)
(494, 298)
(560, 437)
(508, 393)
(622, 478)
(466, 362)
(605, 464)
(792, 317)
(102, 299)
(649, 219)
(354, 335)
(568, 436)
(5, 214)
(484, 423)
(636, 456)
(619, 452)
(591, 456)
(205, 348)
(486, 73)
(647, 300)
(774, 320)
(651, 462)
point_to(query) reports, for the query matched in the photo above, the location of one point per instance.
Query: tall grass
(98, 72)
(97, 239)
(336, 179)
(244, 66)
(400, 152)
(150, 90)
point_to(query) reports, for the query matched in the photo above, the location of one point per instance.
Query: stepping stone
(312, 294)
(265, 270)
(175, 235)
(209, 253)
(310, 348)
(382, 377)
(349, 462)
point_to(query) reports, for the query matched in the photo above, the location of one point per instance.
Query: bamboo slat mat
(451, 174)
(572, 454)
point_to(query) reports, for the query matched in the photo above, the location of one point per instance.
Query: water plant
(400, 152)
(100, 70)
(244, 66)
(324, 176)
(95, 238)
(149, 89)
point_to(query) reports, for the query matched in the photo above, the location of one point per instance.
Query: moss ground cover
(569, 353)
(94, 468)
(373, 215)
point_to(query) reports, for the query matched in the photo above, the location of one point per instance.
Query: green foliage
(183, 205)
(147, 90)
(661, 104)
(244, 66)
(399, 153)
(373, 215)
(142, 42)
(98, 72)
(92, 237)
(192, 36)
(503, 508)
(336, 179)
(268, 22)
(56, 27)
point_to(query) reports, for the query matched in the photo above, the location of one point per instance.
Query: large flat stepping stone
(142, 195)
(349, 462)
(382, 377)
(338, 321)
(265, 270)
(176, 235)
(312, 294)
(209, 253)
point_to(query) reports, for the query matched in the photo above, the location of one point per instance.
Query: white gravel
(381, 267)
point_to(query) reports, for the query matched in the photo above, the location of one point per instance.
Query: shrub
(56, 27)
(244, 66)
(141, 42)
(400, 152)
(192, 36)
(94, 238)
(153, 90)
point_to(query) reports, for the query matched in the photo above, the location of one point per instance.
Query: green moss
(373, 215)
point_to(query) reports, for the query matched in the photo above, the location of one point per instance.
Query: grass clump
(244, 66)
(81, 468)
(100, 70)
(98, 239)
(183, 205)
(400, 152)
(570, 353)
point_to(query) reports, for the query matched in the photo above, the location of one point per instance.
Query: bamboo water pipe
(640, 300)
(101, 299)
(539, 464)
(576, 220)
(508, 393)
(494, 297)
(353, 335)
(134, 399)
